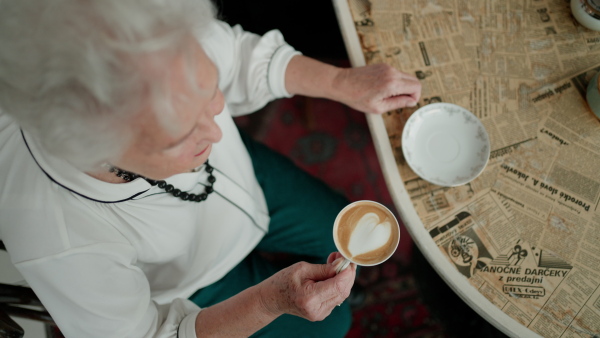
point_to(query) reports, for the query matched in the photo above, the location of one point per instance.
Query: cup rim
(336, 223)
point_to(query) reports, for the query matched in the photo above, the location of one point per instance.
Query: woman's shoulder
(41, 225)
(38, 217)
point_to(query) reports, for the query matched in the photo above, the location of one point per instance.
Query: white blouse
(120, 260)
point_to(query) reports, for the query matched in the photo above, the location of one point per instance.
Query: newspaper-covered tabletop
(526, 232)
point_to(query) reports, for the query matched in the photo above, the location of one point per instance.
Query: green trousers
(302, 211)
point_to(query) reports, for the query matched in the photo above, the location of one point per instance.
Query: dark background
(309, 26)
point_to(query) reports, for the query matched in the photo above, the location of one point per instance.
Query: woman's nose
(214, 131)
(217, 104)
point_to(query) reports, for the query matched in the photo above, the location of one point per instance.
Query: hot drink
(593, 95)
(366, 233)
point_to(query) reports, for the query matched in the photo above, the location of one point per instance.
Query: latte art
(369, 234)
(366, 233)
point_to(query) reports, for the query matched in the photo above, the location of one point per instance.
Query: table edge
(456, 281)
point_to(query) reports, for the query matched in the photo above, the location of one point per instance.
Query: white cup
(593, 95)
(372, 235)
(587, 13)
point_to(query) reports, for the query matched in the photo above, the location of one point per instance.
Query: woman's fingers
(399, 91)
(333, 291)
(377, 89)
(311, 291)
(396, 102)
(334, 256)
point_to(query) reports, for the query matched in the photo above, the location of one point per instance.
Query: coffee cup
(365, 233)
(587, 13)
(593, 95)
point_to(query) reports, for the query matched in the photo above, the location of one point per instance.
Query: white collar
(69, 177)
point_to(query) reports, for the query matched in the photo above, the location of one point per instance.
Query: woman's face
(158, 152)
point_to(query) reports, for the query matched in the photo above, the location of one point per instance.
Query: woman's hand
(376, 89)
(310, 291)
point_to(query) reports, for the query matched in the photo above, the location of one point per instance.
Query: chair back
(13, 298)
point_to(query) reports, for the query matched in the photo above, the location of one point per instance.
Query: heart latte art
(366, 233)
(369, 234)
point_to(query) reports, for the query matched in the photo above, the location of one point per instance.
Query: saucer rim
(443, 105)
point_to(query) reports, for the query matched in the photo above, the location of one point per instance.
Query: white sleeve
(95, 291)
(251, 67)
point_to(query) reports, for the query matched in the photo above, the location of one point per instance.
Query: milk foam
(366, 232)
(369, 234)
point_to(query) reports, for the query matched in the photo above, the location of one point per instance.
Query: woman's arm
(372, 89)
(310, 291)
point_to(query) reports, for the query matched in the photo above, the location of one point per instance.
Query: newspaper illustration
(526, 232)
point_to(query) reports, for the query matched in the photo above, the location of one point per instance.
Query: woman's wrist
(338, 84)
(309, 77)
(268, 304)
(252, 309)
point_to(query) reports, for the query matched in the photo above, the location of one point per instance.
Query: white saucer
(445, 144)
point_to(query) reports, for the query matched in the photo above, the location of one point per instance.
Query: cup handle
(342, 265)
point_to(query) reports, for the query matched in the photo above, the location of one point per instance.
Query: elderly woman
(130, 202)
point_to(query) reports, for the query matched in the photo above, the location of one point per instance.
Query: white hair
(70, 70)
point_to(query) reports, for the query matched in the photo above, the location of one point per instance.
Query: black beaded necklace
(129, 176)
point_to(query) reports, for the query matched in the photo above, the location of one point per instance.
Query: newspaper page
(552, 190)
(526, 232)
(531, 244)
(484, 56)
